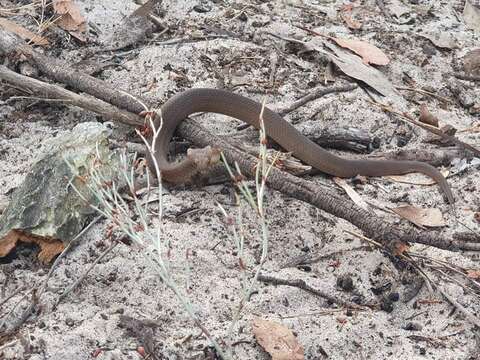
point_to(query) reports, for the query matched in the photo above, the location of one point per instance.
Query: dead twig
(469, 316)
(407, 256)
(467, 77)
(315, 94)
(25, 314)
(425, 92)
(15, 293)
(301, 284)
(70, 245)
(84, 275)
(432, 129)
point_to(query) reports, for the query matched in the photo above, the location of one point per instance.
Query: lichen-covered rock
(46, 209)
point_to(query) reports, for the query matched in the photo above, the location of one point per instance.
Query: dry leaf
(133, 29)
(70, 19)
(440, 39)
(346, 15)
(426, 117)
(49, 248)
(473, 274)
(22, 32)
(369, 53)
(352, 66)
(471, 15)
(400, 248)
(277, 340)
(420, 216)
(416, 179)
(352, 194)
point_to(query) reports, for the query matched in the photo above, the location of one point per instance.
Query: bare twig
(425, 92)
(468, 315)
(432, 129)
(315, 94)
(301, 284)
(467, 77)
(84, 275)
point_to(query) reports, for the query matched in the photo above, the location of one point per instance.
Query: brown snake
(177, 108)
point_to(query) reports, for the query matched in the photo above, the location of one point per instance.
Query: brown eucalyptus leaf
(277, 340)
(70, 19)
(353, 66)
(347, 16)
(473, 274)
(369, 53)
(420, 216)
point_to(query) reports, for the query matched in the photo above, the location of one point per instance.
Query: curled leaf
(426, 116)
(70, 19)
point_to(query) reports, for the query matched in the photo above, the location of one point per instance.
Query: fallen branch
(327, 199)
(51, 91)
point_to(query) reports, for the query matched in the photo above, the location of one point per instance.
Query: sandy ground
(123, 284)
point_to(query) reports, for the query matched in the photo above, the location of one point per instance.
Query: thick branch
(51, 91)
(324, 198)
